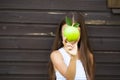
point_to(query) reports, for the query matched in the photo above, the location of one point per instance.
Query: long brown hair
(83, 46)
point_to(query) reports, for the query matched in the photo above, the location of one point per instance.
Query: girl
(71, 60)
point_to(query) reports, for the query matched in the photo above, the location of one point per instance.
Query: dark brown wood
(26, 43)
(107, 77)
(42, 68)
(107, 57)
(49, 30)
(94, 5)
(24, 55)
(24, 78)
(46, 43)
(92, 18)
(43, 56)
(27, 31)
(24, 68)
(107, 69)
(116, 11)
(104, 31)
(109, 44)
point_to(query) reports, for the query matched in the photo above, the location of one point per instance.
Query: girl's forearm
(71, 70)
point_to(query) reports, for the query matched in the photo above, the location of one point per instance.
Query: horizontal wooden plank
(116, 11)
(104, 31)
(107, 57)
(42, 68)
(102, 18)
(108, 44)
(108, 69)
(27, 30)
(104, 77)
(43, 56)
(24, 78)
(45, 78)
(29, 17)
(92, 18)
(24, 68)
(49, 30)
(25, 55)
(26, 42)
(46, 43)
(98, 5)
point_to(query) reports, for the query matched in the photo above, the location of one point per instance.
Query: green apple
(71, 33)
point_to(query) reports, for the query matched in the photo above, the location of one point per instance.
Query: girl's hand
(74, 50)
(71, 47)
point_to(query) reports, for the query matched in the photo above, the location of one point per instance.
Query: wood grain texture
(49, 30)
(93, 5)
(27, 31)
(46, 43)
(91, 18)
(24, 55)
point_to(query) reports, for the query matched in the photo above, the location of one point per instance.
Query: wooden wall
(27, 30)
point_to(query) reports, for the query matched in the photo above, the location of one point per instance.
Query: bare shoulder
(58, 62)
(55, 55)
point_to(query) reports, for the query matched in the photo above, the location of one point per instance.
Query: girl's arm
(58, 63)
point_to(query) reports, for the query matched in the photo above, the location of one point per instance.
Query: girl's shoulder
(55, 55)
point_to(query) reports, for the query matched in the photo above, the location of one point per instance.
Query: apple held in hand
(71, 33)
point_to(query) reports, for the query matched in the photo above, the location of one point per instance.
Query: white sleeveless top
(80, 73)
